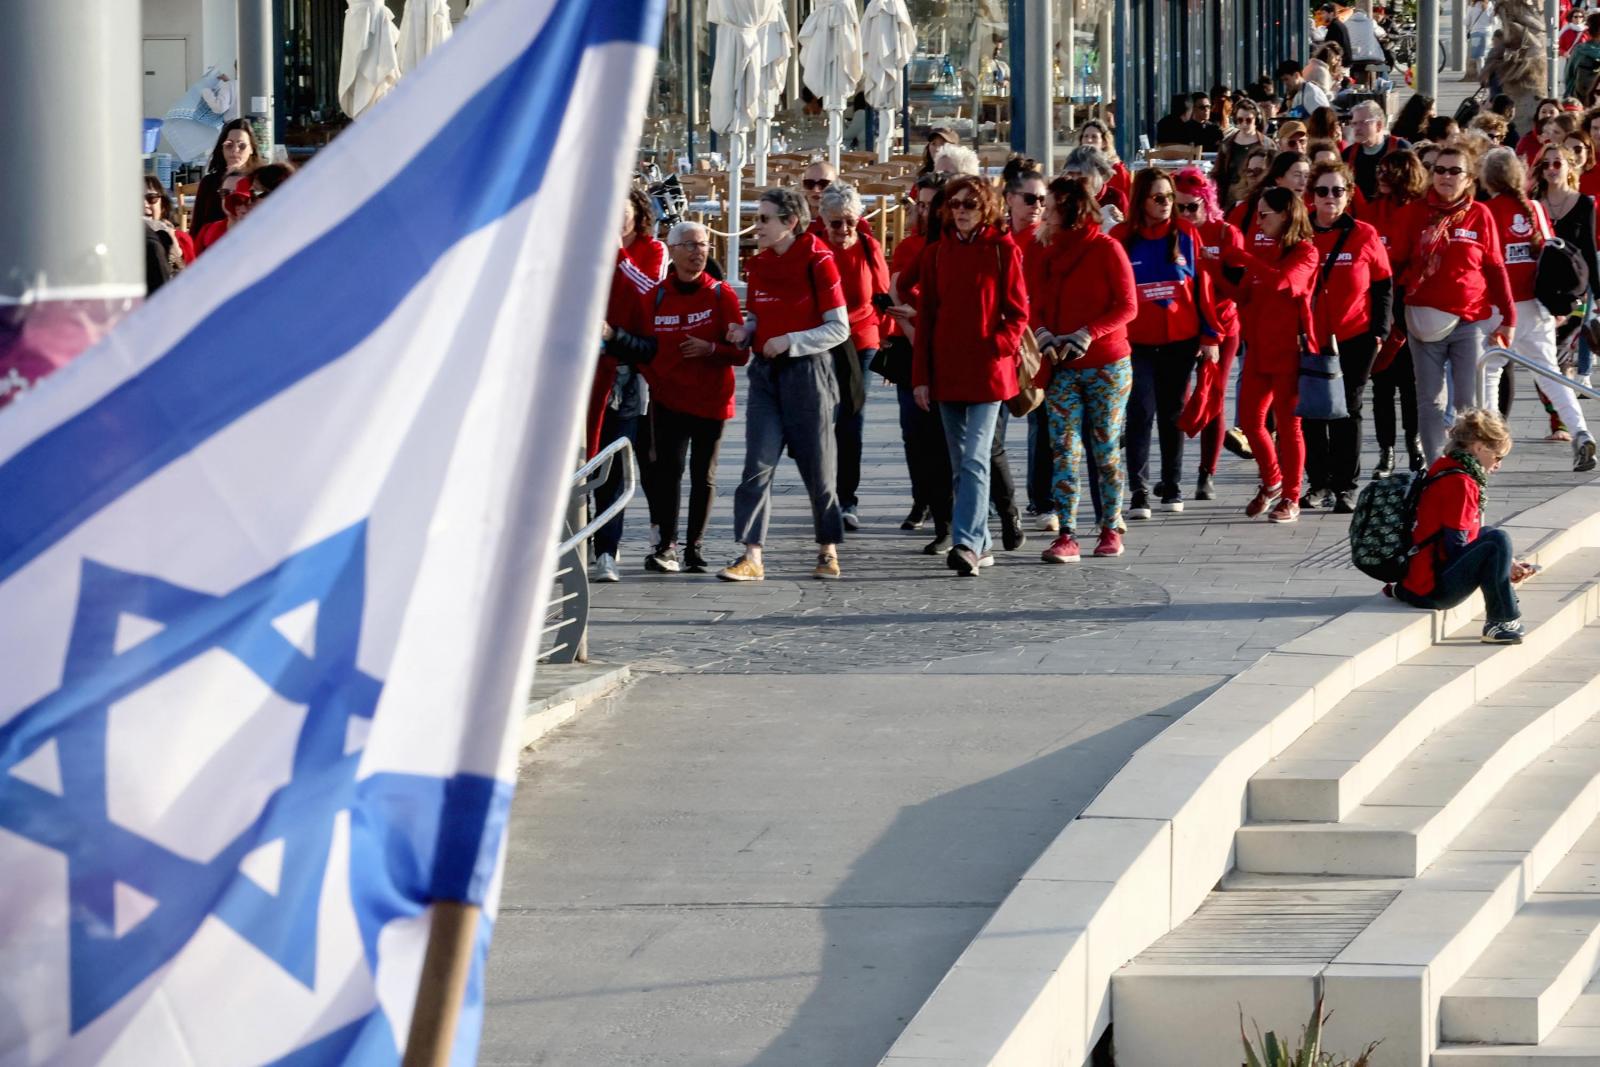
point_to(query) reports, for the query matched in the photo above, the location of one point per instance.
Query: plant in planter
(1275, 1052)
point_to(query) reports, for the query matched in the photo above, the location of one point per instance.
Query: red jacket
(1175, 299)
(1451, 503)
(698, 385)
(1589, 182)
(1517, 240)
(1217, 237)
(863, 273)
(1274, 305)
(1121, 181)
(789, 293)
(1082, 281)
(1462, 272)
(1343, 305)
(639, 267)
(974, 307)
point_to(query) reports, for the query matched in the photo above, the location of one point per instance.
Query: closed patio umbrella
(888, 41)
(424, 26)
(369, 66)
(776, 46)
(735, 87)
(830, 56)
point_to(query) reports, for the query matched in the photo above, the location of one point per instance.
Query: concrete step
(1332, 767)
(1575, 1042)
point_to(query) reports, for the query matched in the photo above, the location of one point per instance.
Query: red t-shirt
(1343, 305)
(1451, 503)
(1464, 273)
(862, 273)
(1589, 182)
(698, 385)
(209, 235)
(1517, 240)
(789, 293)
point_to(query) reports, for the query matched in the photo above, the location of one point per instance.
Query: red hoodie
(1461, 272)
(1082, 280)
(698, 385)
(789, 293)
(863, 273)
(1216, 238)
(639, 267)
(1343, 306)
(1517, 239)
(974, 307)
(1451, 503)
(1175, 298)
(1274, 305)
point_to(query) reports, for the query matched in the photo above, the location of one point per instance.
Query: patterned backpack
(1385, 515)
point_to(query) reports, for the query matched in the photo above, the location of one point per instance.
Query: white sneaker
(852, 521)
(605, 568)
(1586, 381)
(986, 560)
(1049, 522)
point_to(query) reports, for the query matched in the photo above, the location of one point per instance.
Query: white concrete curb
(1034, 987)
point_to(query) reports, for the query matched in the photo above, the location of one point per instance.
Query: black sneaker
(964, 561)
(1583, 452)
(1344, 502)
(915, 518)
(694, 560)
(1206, 489)
(1503, 633)
(1312, 499)
(1171, 498)
(1139, 506)
(662, 561)
(939, 545)
(1012, 536)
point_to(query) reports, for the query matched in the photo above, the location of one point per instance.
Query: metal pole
(71, 243)
(1040, 49)
(1555, 76)
(1458, 34)
(1427, 71)
(255, 70)
(764, 102)
(1069, 63)
(794, 53)
(1018, 42)
(1107, 81)
(735, 208)
(691, 62)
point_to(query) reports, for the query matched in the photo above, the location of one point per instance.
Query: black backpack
(1561, 277)
(1383, 522)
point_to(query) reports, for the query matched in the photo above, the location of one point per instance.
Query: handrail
(600, 468)
(1484, 400)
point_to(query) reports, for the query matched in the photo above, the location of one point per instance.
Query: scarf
(1470, 464)
(1443, 220)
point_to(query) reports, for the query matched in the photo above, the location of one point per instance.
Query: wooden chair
(1174, 151)
(191, 191)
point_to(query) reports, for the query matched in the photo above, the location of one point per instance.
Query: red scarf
(1443, 218)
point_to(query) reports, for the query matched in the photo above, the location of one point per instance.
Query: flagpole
(452, 933)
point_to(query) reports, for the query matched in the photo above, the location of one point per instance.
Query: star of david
(105, 859)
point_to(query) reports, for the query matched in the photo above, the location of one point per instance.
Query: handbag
(893, 361)
(1029, 396)
(1321, 394)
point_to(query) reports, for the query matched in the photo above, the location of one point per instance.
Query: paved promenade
(771, 846)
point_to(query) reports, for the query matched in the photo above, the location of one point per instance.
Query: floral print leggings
(1089, 403)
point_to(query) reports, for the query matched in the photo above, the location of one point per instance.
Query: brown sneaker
(1286, 511)
(743, 569)
(1265, 497)
(827, 566)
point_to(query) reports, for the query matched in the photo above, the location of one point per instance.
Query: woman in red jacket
(1274, 311)
(1401, 182)
(1197, 205)
(1446, 251)
(1352, 307)
(1083, 294)
(969, 326)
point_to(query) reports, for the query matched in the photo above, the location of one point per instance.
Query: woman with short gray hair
(796, 317)
(1094, 168)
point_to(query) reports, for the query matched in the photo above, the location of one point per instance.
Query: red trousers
(1284, 464)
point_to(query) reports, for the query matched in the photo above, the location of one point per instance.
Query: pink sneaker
(1064, 549)
(1110, 544)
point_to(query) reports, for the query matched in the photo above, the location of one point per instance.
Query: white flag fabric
(369, 64)
(424, 26)
(271, 558)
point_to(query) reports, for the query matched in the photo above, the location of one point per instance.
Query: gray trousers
(1456, 356)
(790, 404)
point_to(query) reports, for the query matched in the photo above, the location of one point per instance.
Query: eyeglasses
(1333, 191)
(1031, 199)
(841, 224)
(1190, 209)
(1160, 198)
(1449, 172)
(816, 183)
(693, 245)
(963, 205)
(152, 198)
(770, 218)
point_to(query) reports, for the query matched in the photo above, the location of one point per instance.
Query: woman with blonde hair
(1454, 555)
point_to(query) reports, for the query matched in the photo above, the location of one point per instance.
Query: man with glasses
(1370, 142)
(813, 183)
(1202, 131)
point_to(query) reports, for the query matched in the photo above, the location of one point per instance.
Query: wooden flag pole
(445, 967)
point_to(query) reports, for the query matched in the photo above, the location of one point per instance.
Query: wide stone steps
(1575, 1042)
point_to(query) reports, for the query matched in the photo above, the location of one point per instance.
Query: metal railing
(565, 635)
(1487, 401)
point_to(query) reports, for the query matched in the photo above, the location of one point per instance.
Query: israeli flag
(270, 558)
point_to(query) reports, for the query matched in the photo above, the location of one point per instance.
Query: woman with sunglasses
(1097, 135)
(1455, 554)
(1401, 182)
(235, 200)
(1176, 325)
(796, 316)
(1274, 312)
(1572, 217)
(1288, 170)
(974, 307)
(1256, 162)
(1235, 148)
(1082, 298)
(1025, 200)
(1524, 227)
(235, 153)
(158, 215)
(1352, 308)
(1447, 252)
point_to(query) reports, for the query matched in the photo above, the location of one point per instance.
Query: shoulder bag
(1321, 380)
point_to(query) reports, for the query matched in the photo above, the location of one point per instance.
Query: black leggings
(680, 438)
(1397, 377)
(1333, 446)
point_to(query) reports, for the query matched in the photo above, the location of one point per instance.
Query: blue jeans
(969, 429)
(1485, 564)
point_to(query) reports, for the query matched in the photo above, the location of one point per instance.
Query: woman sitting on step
(1454, 554)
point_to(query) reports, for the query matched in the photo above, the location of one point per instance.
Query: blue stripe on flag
(317, 306)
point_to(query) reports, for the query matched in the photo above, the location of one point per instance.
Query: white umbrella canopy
(424, 26)
(369, 66)
(888, 43)
(830, 56)
(735, 88)
(776, 45)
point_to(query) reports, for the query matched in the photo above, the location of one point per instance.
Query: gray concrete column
(1427, 75)
(1040, 52)
(255, 69)
(1108, 79)
(1458, 34)
(70, 194)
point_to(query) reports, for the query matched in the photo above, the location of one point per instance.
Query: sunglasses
(816, 183)
(1449, 172)
(963, 205)
(1190, 209)
(1553, 164)
(152, 198)
(1333, 191)
(1031, 199)
(1160, 198)
(841, 224)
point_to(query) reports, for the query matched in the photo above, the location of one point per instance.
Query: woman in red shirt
(969, 327)
(865, 276)
(1097, 135)
(1401, 181)
(1446, 251)
(1352, 308)
(1082, 297)
(1453, 554)
(1274, 311)
(797, 316)
(1197, 205)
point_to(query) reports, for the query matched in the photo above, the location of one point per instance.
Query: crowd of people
(1110, 309)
